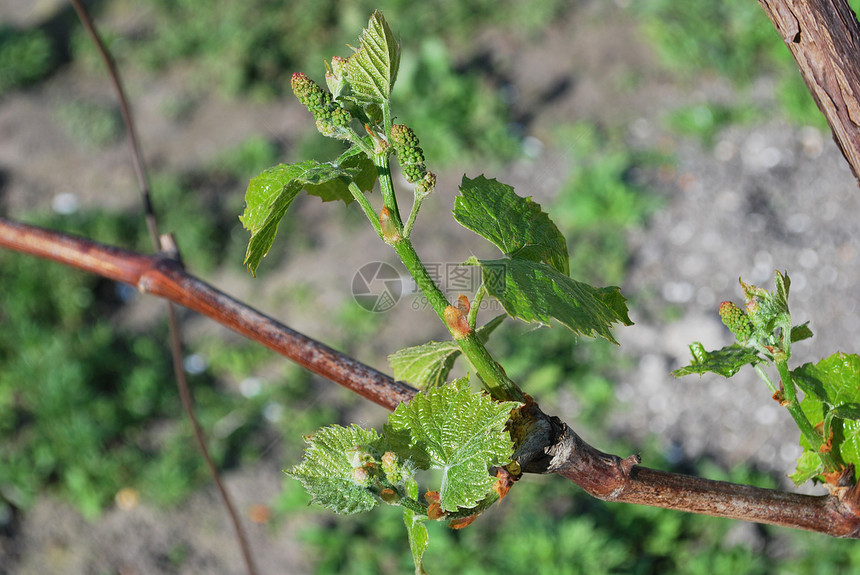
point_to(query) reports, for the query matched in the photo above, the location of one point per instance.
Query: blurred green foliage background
(88, 403)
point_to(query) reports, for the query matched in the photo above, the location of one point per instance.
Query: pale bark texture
(824, 38)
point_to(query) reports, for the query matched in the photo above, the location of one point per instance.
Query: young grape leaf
(372, 69)
(271, 193)
(536, 292)
(811, 386)
(846, 411)
(780, 297)
(726, 361)
(457, 431)
(768, 310)
(362, 172)
(831, 398)
(516, 225)
(426, 365)
(327, 471)
(800, 332)
(419, 539)
(809, 466)
(429, 364)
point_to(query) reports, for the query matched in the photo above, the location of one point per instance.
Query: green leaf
(372, 69)
(268, 198)
(426, 365)
(419, 539)
(780, 298)
(361, 170)
(516, 225)
(838, 375)
(768, 310)
(485, 330)
(846, 411)
(429, 364)
(726, 361)
(271, 193)
(832, 396)
(537, 292)
(457, 431)
(800, 332)
(327, 470)
(809, 466)
(809, 384)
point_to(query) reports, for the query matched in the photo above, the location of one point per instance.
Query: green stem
(495, 380)
(422, 277)
(386, 185)
(491, 373)
(815, 439)
(358, 141)
(763, 374)
(413, 505)
(793, 406)
(362, 201)
(476, 304)
(806, 428)
(386, 117)
(413, 213)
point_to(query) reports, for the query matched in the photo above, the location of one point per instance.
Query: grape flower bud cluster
(330, 117)
(736, 320)
(409, 153)
(384, 475)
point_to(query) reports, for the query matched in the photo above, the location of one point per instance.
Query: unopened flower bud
(354, 458)
(394, 472)
(426, 185)
(361, 476)
(389, 460)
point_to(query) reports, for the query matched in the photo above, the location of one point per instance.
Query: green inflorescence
(328, 114)
(736, 320)
(409, 153)
(427, 184)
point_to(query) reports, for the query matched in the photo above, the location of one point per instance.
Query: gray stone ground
(766, 198)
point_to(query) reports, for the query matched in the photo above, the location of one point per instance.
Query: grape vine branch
(555, 447)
